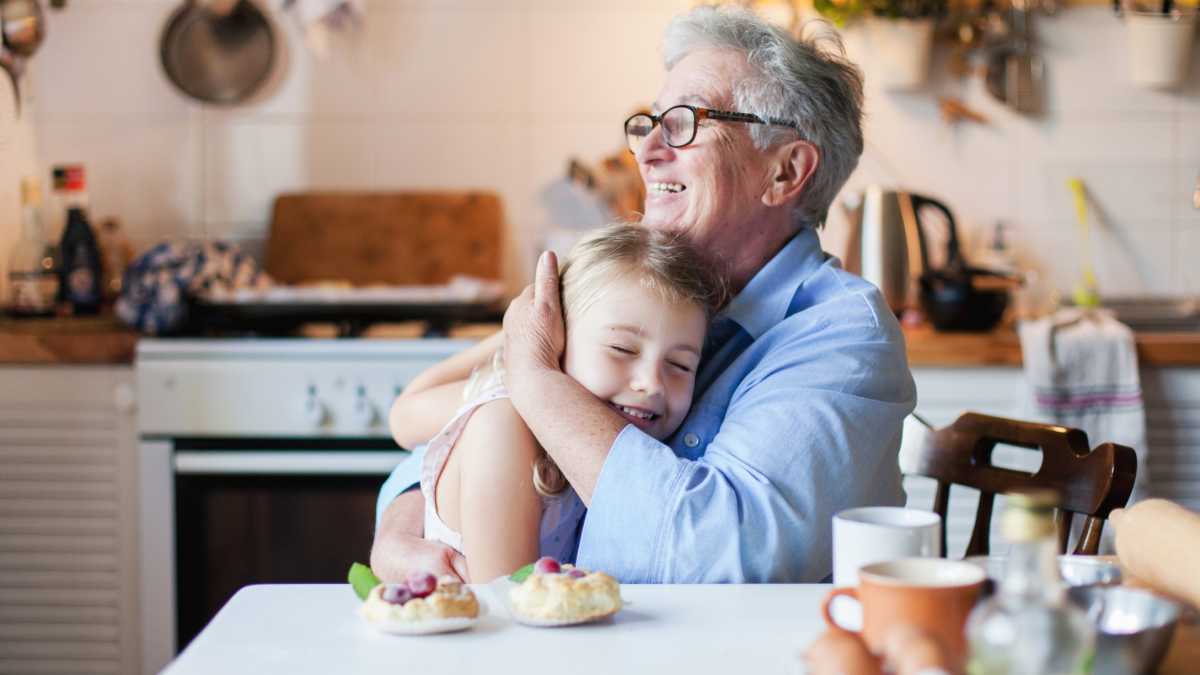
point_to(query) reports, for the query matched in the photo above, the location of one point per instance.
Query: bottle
(32, 272)
(115, 254)
(1028, 627)
(79, 287)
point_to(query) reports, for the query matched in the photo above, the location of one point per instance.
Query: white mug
(880, 533)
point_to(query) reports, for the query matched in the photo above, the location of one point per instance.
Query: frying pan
(218, 52)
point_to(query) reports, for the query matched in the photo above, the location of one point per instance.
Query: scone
(560, 595)
(421, 598)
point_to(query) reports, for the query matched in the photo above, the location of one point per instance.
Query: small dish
(429, 627)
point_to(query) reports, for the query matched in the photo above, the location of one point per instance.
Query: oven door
(254, 511)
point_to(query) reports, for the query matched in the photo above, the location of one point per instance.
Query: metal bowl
(1076, 570)
(1133, 627)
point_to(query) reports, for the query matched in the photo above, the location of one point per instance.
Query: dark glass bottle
(81, 273)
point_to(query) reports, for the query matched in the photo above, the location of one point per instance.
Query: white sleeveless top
(554, 509)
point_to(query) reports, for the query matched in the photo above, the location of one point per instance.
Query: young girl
(636, 302)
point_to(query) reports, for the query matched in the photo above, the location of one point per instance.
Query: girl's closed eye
(683, 367)
(622, 349)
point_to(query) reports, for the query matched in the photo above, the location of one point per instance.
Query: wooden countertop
(927, 347)
(104, 340)
(83, 340)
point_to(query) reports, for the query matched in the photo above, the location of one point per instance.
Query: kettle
(916, 260)
(887, 243)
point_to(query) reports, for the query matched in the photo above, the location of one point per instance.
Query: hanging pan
(218, 51)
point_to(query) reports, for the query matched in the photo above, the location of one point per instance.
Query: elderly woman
(804, 383)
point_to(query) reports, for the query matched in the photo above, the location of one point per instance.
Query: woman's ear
(793, 165)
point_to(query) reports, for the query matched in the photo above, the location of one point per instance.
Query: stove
(259, 462)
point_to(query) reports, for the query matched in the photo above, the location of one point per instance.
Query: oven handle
(283, 463)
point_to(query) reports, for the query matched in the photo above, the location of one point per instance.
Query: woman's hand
(399, 547)
(534, 335)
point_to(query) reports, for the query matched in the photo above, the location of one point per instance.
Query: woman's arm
(499, 511)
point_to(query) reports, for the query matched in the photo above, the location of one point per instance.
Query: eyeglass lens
(678, 123)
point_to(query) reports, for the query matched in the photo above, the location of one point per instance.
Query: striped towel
(1082, 370)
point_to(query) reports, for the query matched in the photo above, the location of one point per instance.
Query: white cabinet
(68, 539)
(1172, 399)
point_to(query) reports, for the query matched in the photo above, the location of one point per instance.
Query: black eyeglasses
(679, 124)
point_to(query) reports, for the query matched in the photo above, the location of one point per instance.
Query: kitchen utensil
(931, 594)
(1134, 627)
(1014, 71)
(1087, 293)
(218, 52)
(1076, 570)
(22, 29)
(877, 533)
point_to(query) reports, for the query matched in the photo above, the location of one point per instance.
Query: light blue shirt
(797, 415)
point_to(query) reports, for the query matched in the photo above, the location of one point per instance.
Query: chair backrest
(1089, 482)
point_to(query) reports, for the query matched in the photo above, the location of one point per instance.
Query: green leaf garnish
(521, 574)
(362, 579)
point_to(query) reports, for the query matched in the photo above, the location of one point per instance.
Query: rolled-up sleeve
(405, 476)
(807, 432)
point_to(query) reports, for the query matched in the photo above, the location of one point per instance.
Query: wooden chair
(1089, 482)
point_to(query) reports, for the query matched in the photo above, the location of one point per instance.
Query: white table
(677, 630)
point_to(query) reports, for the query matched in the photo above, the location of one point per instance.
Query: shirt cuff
(404, 477)
(631, 505)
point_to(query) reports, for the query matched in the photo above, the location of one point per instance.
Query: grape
(396, 594)
(547, 565)
(576, 573)
(421, 583)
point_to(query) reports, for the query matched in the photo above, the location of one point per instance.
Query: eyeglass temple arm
(744, 117)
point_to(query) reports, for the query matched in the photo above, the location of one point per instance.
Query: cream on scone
(565, 594)
(421, 598)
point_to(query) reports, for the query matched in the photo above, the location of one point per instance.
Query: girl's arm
(457, 367)
(416, 418)
(499, 512)
(430, 399)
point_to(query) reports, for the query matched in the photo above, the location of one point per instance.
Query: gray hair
(803, 81)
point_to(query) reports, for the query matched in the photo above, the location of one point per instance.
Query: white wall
(498, 93)
(17, 159)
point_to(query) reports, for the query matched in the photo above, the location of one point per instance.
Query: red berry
(547, 565)
(421, 583)
(396, 594)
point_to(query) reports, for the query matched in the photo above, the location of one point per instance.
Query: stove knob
(316, 413)
(364, 414)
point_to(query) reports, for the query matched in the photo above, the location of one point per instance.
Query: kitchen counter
(927, 347)
(82, 340)
(104, 340)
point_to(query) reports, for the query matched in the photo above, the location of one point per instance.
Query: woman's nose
(654, 147)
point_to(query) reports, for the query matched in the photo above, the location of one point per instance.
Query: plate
(498, 591)
(429, 627)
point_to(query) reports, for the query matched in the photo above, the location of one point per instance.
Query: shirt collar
(765, 300)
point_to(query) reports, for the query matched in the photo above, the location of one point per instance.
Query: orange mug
(931, 594)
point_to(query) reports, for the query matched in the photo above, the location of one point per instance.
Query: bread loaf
(1158, 542)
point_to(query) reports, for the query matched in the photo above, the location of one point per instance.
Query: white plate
(498, 591)
(423, 627)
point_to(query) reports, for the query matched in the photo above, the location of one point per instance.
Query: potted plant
(900, 33)
(1160, 44)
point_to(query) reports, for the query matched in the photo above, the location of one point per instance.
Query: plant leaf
(362, 579)
(521, 574)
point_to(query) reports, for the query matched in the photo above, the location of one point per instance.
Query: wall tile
(103, 57)
(248, 163)
(144, 171)
(594, 66)
(448, 63)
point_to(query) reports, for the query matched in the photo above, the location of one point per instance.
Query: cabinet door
(67, 542)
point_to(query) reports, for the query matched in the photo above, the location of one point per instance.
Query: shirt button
(691, 440)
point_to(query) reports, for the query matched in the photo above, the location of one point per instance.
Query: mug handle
(851, 592)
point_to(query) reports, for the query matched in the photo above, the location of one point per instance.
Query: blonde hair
(662, 262)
